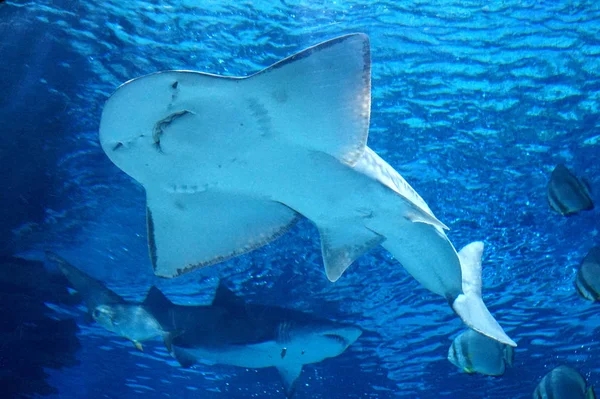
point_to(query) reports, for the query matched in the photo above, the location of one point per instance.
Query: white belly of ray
(229, 164)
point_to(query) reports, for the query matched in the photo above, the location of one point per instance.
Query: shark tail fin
(590, 393)
(155, 299)
(168, 338)
(184, 359)
(469, 305)
(289, 374)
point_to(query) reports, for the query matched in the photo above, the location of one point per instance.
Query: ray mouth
(161, 125)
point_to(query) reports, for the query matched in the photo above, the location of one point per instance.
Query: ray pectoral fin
(191, 230)
(289, 374)
(469, 305)
(342, 245)
(320, 98)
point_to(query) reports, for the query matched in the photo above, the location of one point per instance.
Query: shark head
(131, 321)
(317, 340)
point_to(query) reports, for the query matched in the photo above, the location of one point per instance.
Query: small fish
(587, 281)
(567, 194)
(131, 321)
(563, 382)
(475, 353)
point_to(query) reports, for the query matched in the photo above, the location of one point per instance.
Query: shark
(233, 332)
(229, 164)
(111, 311)
(229, 331)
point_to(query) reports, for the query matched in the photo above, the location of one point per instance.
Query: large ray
(230, 163)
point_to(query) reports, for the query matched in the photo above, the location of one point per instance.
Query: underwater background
(473, 102)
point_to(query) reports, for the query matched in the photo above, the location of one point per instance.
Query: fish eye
(96, 313)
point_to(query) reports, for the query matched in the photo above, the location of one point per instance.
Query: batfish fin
(469, 305)
(138, 345)
(289, 374)
(189, 231)
(593, 256)
(342, 246)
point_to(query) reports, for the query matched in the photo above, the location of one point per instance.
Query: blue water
(473, 102)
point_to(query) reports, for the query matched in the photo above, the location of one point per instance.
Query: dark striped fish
(587, 281)
(567, 194)
(563, 383)
(473, 352)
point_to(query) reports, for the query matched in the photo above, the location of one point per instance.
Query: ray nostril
(117, 146)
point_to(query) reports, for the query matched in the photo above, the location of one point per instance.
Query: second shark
(229, 331)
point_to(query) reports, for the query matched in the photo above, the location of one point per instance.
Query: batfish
(108, 309)
(563, 382)
(587, 281)
(475, 353)
(567, 194)
(231, 163)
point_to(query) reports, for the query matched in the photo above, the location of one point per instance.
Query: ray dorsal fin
(331, 84)
(155, 299)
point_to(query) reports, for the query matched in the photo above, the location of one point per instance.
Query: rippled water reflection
(474, 102)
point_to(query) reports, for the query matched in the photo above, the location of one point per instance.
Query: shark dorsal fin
(156, 299)
(225, 297)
